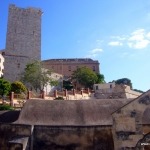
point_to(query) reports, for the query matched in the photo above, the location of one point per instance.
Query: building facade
(67, 66)
(1, 65)
(23, 40)
(112, 90)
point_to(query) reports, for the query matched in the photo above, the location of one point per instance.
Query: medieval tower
(23, 40)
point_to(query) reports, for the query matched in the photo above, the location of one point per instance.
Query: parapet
(29, 9)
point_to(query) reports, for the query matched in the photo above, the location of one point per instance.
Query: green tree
(67, 85)
(53, 82)
(125, 81)
(140, 91)
(35, 76)
(85, 76)
(5, 87)
(100, 78)
(18, 87)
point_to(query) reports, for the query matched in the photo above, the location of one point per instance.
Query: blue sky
(115, 32)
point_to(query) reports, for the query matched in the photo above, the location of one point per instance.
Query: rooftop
(72, 59)
(69, 112)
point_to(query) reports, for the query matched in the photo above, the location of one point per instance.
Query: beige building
(1, 65)
(67, 66)
(23, 40)
(54, 77)
(112, 90)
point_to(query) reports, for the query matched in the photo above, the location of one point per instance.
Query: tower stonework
(23, 40)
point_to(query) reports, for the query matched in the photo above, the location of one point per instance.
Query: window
(96, 87)
(69, 68)
(93, 68)
(18, 65)
(110, 86)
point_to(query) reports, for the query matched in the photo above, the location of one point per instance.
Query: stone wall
(11, 132)
(23, 40)
(79, 138)
(55, 137)
(117, 91)
(129, 122)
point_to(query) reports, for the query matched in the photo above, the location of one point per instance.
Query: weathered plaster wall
(9, 132)
(73, 138)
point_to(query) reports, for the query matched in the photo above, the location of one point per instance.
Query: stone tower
(23, 40)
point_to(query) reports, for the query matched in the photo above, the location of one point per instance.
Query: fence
(74, 94)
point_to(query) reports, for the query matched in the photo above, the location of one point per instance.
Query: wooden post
(82, 92)
(29, 95)
(55, 94)
(74, 92)
(88, 91)
(66, 93)
(43, 94)
(12, 99)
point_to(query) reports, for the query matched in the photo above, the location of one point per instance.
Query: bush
(59, 98)
(6, 107)
(18, 87)
(5, 87)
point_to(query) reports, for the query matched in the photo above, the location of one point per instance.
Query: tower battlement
(28, 9)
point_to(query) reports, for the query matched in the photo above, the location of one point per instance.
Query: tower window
(93, 68)
(18, 65)
(110, 86)
(69, 68)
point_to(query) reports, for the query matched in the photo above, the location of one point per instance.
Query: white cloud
(148, 35)
(119, 38)
(115, 43)
(94, 52)
(139, 39)
(99, 41)
(139, 44)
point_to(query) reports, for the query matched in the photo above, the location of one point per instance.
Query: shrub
(59, 98)
(18, 87)
(5, 87)
(6, 107)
